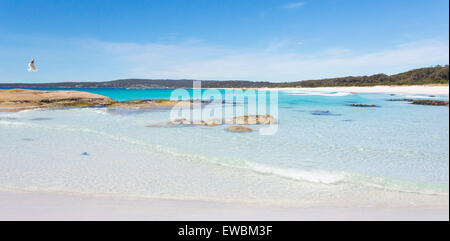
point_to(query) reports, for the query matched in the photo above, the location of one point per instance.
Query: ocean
(324, 152)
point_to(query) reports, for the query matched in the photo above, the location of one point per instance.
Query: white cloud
(294, 5)
(337, 51)
(281, 60)
(209, 62)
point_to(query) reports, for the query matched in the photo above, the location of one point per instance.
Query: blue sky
(100, 40)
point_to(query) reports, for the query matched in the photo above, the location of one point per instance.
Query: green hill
(423, 76)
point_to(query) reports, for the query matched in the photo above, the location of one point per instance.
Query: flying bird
(32, 66)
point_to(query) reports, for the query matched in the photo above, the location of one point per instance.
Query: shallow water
(325, 152)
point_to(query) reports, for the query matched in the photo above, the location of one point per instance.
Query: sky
(259, 40)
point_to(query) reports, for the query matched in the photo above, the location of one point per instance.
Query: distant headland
(438, 75)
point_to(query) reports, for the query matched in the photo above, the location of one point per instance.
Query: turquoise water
(324, 152)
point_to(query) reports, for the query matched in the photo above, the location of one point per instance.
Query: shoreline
(41, 205)
(442, 90)
(422, 90)
(381, 89)
(53, 206)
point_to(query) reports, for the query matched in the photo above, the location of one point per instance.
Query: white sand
(422, 90)
(46, 206)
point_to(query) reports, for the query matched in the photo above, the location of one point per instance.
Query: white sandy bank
(46, 206)
(421, 90)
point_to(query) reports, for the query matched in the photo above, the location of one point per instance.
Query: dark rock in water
(409, 100)
(85, 154)
(239, 129)
(363, 105)
(430, 102)
(324, 112)
(27, 139)
(40, 119)
(424, 102)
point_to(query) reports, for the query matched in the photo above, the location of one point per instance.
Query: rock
(253, 120)
(85, 154)
(363, 105)
(241, 120)
(323, 112)
(430, 102)
(150, 103)
(214, 122)
(22, 99)
(409, 100)
(184, 121)
(424, 102)
(180, 121)
(40, 119)
(239, 129)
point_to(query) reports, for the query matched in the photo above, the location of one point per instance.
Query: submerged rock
(240, 120)
(363, 105)
(253, 120)
(239, 129)
(324, 112)
(40, 119)
(430, 102)
(409, 100)
(146, 104)
(424, 102)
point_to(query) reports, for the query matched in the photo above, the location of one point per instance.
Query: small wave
(422, 97)
(395, 185)
(309, 176)
(11, 123)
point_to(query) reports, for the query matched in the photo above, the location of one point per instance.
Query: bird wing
(32, 66)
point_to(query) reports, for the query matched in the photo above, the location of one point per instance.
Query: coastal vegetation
(438, 75)
(423, 76)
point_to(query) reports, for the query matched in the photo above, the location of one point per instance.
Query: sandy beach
(119, 153)
(48, 206)
(417, 89)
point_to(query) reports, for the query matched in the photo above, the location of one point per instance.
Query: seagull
(32, 67)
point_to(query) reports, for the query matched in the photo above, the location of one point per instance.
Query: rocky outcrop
(324, 112)
(424, 102)
(430, 102)
(239, 129)
(363, 105)
(147, 104)
(186, 122)
(252, 120)
(20, 99)
(240, 120)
